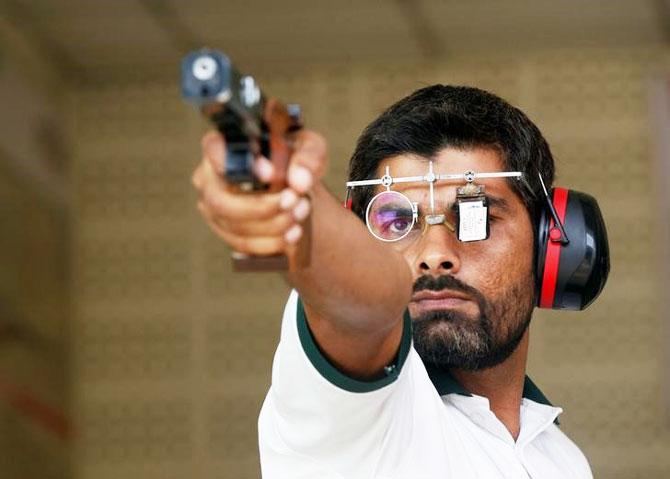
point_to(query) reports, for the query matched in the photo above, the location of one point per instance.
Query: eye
(400, 225)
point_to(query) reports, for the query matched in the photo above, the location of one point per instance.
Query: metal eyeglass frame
(431, 178)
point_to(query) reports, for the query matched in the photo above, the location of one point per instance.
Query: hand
(260, 223)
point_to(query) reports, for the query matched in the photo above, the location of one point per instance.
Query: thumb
(308, 162)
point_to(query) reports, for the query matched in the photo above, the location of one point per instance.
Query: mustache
(447, 281)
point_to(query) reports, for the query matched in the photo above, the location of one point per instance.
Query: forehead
(448, 160)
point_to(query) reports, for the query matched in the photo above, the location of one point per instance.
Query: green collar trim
(337, 377)
(532, 392)
(445, 383)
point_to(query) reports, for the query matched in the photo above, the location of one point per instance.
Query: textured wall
(34, 267)
(172, 352)
(34, 296)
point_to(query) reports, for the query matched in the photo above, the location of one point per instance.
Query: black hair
(440, 116)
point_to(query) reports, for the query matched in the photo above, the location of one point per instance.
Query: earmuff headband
(553, 253)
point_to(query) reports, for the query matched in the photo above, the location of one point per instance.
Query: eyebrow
(497, 202)
(391, 207)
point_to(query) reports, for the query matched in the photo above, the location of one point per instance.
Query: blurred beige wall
(34, 264)
(173, 351)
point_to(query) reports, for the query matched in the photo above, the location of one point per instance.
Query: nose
(438, 252)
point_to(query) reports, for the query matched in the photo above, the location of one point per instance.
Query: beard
(451, 339)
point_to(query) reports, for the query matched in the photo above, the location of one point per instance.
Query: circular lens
(390, 216)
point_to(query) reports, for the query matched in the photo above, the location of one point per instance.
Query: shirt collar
(445, 383)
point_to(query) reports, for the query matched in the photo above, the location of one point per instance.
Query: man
(405, 359)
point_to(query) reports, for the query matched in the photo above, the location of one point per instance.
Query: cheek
(505, 258)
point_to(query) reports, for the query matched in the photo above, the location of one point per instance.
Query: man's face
(472, 301)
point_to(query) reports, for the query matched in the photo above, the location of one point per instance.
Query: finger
(308, 161)
(263, 169)
(288, 198)
(251, 245)
(212, 176)
(256, 245)
(198, 176)
(292, 236)
(278, 225)
(236, 206)
(274, 226)
(301, 209)
(300, 178)
(214, 149)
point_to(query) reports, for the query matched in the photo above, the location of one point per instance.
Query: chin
(449, 339)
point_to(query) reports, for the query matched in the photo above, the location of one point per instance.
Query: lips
(437, 295)
(440, 300)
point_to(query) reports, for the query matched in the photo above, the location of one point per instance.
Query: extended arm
(355, 289)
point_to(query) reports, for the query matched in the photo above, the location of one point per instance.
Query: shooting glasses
(393, 217)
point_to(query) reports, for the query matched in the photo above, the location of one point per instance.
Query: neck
(502, 385)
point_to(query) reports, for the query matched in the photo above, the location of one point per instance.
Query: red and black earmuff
(572, 261)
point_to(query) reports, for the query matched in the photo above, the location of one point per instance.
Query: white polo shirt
(412, 424)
